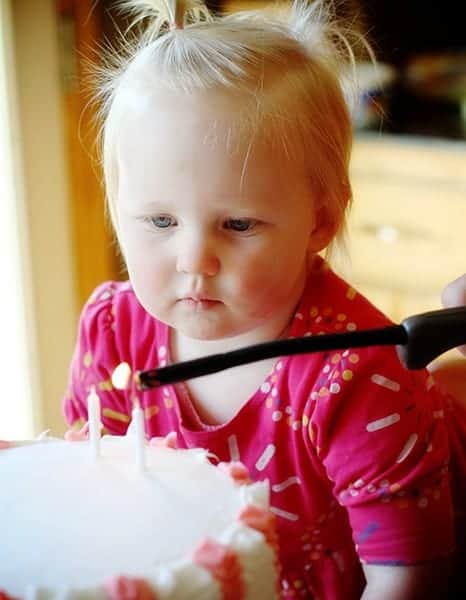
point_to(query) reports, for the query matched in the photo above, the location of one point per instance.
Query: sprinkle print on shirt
(384, 422)
(354, 447)
(385, 382)
(265, 457)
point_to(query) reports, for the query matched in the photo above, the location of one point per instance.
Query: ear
(325, 229)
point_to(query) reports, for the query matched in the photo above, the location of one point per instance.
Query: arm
(385, 450)
(426, 581)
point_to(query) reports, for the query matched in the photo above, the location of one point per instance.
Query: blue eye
(240, 225)
(162, 221)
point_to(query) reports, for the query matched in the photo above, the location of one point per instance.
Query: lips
(199, 297)
(199, 301)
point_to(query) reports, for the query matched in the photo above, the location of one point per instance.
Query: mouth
(198, 302)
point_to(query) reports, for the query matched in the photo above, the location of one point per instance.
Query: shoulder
(114, 316)
(113, 301)
(330, 304)
(109, 294)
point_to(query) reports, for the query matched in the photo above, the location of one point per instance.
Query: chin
(205, 331)
(207, 334)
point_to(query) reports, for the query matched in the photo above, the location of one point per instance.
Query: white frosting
(69, 522)
(183, 580)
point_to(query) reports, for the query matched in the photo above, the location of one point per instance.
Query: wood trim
(93, 241)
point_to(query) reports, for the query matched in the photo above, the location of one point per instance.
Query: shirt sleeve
(94, 359)
(379, 431)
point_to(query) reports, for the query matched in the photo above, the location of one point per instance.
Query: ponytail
(165, 15)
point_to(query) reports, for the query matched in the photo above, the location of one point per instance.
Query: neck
(185, 348)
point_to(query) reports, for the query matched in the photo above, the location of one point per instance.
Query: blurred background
(407, 228)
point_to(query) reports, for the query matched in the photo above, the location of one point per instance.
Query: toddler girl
(226, 144)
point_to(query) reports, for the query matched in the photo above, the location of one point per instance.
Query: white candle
(93, 411)
(139, 436)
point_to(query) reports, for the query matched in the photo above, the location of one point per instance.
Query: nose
(197, 256)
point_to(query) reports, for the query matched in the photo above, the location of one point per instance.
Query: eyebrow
(154, 206)
(219, 206)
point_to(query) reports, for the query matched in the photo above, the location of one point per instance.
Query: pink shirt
(355, 447)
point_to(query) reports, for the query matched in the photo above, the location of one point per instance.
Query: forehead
(213, 120)
(203, 134)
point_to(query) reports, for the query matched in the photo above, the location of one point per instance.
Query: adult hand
(450, 373)
(454, 294)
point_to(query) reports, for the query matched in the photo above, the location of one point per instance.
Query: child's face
(215, 239)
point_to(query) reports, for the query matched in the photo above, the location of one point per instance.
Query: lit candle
(121, 376)
(139, 435)
(93, 411)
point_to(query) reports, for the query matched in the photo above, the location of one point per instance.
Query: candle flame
(121, 376)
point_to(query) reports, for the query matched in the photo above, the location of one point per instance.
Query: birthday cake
(75, 524)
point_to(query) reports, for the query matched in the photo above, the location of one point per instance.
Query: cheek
(268, 276)
(151, 285)
(283, 259)
(141, 254)
(148, 270)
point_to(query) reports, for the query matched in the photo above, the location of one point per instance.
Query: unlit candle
(93, 411)
(139, 436)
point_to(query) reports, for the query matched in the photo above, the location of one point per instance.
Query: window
(17, 340)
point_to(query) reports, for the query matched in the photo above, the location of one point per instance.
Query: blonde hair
(288, 64)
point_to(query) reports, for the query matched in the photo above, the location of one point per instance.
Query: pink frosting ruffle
(261, 520)
(224, 566)
(169, 441)
(237, 471)
(5, 596)
(128, 588)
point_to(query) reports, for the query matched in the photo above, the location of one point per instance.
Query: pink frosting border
(224, 566)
